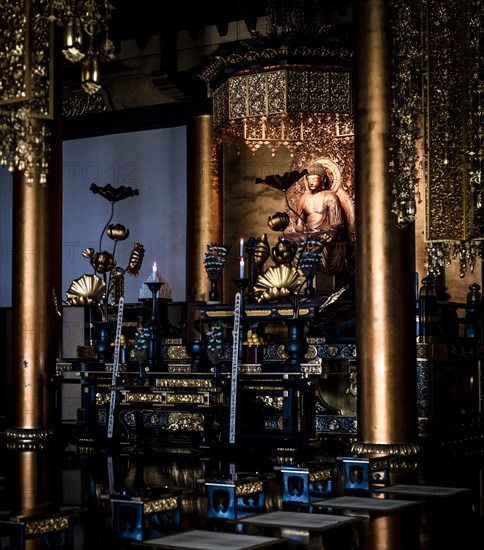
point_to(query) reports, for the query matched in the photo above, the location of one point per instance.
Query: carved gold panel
(453, 201)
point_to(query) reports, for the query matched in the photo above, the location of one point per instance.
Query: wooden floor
(437, 504)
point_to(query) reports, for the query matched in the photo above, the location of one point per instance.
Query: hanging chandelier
(86, 37)
(26, 79)
(269, 90)
(26, 88)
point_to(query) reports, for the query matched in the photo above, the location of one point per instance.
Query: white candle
(154, 278)
(241, 248)
(241, 269)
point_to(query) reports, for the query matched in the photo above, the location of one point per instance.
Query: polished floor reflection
(96, 497)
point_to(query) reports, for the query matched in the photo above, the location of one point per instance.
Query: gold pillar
(34, 488)
(204, 207)
(31, 481)
(37, 275)
(386, 340)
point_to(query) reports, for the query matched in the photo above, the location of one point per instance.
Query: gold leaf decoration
(86, 290)
(88, 252)
(277, 283)
(262, 250)
(136, 259)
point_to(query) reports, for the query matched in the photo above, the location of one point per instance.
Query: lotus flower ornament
(135, 259)
(284, 182)
(114, 194)
(284, 251)
(86, 290)
(94, 290)
(117, 232)
(278, 283)
(103, 262)
(262, 251)
(278, 221)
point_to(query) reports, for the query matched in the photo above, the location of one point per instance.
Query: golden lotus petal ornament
(284, 251)
(102, 262)
(135, 259)
(88, 253)
(277, 283)
(262, 250)
(117, 232)
(278, 221)
(274, 295)
(86, 290)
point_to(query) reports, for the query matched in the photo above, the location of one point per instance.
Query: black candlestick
(154, 357)
(241, 285)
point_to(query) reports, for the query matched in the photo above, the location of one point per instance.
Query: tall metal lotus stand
(154, 348)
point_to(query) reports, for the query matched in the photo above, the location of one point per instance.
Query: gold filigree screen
(15, 83)
(26, 86)
(25, 63)
(453, 139)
